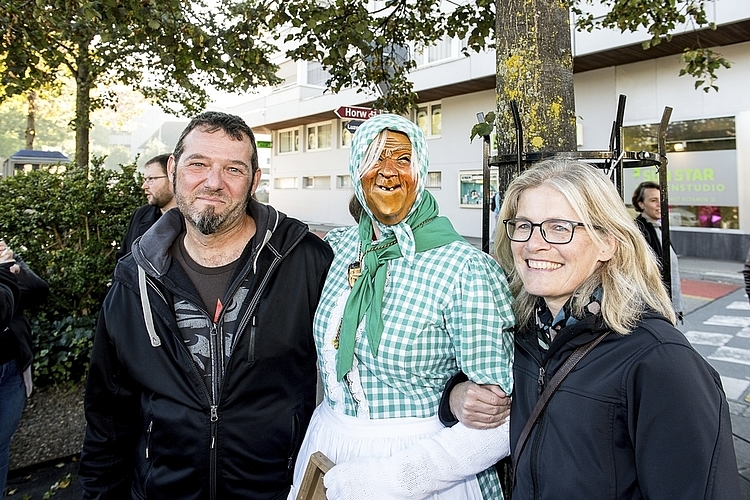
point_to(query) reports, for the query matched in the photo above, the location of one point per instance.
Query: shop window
(471, 187)
(701, 171)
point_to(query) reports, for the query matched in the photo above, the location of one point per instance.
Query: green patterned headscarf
(420, 230)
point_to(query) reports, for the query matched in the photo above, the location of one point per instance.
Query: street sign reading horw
(353, 112)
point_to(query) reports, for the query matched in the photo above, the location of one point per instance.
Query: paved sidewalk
(717, 323)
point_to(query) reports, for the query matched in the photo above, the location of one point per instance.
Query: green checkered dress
(449, 310)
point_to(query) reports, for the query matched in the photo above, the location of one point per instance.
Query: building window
(429, 117)
(316, 75)
(317, 182)
(445, 48)
(434, 180)
(701, 173)
(343, 181)
(285, 183)
(289, 141)
(288, 73)
(319, 136)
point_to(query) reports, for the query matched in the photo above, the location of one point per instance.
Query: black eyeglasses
(151, 179)
(555, 231)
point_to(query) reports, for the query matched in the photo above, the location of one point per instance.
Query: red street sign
(353, 112)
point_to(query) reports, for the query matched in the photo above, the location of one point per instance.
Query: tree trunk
(82, 120)
(535, 69)
(31, 119)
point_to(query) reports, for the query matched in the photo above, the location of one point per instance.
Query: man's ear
(256, 181)
(171, 164)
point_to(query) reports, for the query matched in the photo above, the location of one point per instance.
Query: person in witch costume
(406, 304)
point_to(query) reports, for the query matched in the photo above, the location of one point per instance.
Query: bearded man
(202, 378)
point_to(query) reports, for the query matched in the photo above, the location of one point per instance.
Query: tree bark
(83, 105)
(535, 69)
(31, 119)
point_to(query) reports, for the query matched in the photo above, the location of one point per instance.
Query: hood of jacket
(152, 257)
(151, 251)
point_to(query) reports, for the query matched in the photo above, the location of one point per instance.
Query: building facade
(708, 138)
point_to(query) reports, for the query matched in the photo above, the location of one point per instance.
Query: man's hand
(479, 406)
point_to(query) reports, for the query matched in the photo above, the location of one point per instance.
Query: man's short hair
(161, 160)
(211, 121)
(640, 192)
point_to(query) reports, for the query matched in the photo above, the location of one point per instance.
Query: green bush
(62, 349)
(67, 226)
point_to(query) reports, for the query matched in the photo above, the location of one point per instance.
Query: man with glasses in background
(158, 191)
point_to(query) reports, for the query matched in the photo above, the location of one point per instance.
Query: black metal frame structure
(612, 161)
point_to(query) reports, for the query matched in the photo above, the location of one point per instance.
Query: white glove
(430, 465)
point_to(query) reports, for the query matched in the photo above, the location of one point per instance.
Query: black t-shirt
(210, 282)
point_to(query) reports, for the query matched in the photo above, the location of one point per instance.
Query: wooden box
(312, 482)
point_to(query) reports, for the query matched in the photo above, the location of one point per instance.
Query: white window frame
(343, 181)
(436, 182)
(285, 182)
(445, 49)
(295, 131)
(344, 134)
(316, 182)
(314, 68)
(313, 130)
(430, 109)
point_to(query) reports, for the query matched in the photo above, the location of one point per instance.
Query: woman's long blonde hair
(631, 279)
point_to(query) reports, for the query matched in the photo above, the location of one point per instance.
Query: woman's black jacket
(642, 416)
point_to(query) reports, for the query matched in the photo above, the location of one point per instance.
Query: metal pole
(486, 194)
(619, 148)
(666, 245)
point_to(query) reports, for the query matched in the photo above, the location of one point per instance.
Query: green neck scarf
(366, 298)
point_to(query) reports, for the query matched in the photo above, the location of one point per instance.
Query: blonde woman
(643, 415)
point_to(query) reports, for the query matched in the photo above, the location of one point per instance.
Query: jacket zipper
(295, 433)
(541, 381)
(537, 435)
(212, 461)
(208, 393)
(148, 437)
(533, 452)
(214, 408)
(214, 405)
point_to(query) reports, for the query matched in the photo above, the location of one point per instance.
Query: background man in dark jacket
(647, 202)
(202, 378)
(158, 190)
